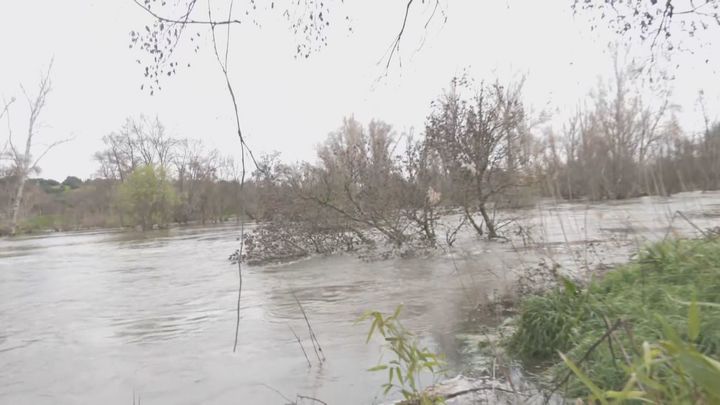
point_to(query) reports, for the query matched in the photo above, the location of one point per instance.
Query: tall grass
(644, 298)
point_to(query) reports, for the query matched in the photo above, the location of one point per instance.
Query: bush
(644, 297)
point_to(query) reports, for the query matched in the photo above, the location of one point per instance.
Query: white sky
(291, 105)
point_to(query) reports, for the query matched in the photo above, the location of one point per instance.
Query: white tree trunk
(17, 202)
(23, 163)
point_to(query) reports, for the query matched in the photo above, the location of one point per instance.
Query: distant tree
(147, 196)
(613, 140)
(140, 141)
(197, 171)
(72, 182)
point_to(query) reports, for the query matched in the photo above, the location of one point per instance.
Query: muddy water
(99, 317)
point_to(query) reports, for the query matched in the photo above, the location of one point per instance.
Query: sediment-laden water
(97, 317)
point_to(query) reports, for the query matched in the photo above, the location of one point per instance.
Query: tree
(72, 182)
(613, 140)
(421, 192)
(23, 161)
(657, 24)
(147, 196)
(140, 141)
(475, 136)
(359, 178)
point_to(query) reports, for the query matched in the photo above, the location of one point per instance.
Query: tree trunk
(468, 215)
(16, 204)
(488, 222)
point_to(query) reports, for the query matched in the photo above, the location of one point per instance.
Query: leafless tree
(474, 136)
(23, 160)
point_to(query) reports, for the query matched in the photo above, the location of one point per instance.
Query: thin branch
(7, 106)
(313, 337)
(395, 46)
(311, 399)
(289, 401)
(301, 345)
(592, 348)
(242, 181)
(47, 149)
(227, 41)
(184, 19)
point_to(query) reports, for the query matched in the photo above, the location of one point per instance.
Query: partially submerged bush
(282, 242)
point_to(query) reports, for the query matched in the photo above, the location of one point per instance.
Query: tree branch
(185, 19)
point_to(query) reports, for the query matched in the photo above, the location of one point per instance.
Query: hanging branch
(394, 48)
(243, 149)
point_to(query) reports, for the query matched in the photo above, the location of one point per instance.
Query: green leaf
(378, 367)
(625, 395)
(693, 321)
(702, 304)
(372, 329)
(570, 287)
(702, 372)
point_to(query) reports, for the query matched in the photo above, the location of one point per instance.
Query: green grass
(645, 294)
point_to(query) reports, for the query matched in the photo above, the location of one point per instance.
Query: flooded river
(100, 317)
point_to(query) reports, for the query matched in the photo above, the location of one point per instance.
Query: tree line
(145, 179)
(481, 150)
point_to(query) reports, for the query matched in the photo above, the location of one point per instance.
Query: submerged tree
(475, 136)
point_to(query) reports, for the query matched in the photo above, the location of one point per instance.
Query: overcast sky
(291, 105)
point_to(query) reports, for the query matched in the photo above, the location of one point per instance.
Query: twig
(311, 399)
(289, 401)
(301, 345)
(313, 338)
(395, 46)
(7, 106)
(697, 228)
(609, 331)
(610, 345)
(185, 20)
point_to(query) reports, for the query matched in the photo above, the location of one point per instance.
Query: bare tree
(24, 162)
(474, 136)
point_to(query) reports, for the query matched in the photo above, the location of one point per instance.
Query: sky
(291, 105)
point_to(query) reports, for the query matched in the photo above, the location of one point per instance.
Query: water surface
(95, 317)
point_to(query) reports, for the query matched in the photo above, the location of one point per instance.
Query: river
(102, 317)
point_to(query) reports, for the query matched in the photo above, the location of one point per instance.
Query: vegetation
(620, 332)
(480, 151)
(410, 361)
(672, 370)
(147, 197)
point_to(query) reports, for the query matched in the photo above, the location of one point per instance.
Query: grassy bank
(636, 329)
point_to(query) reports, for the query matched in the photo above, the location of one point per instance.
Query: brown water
(96, 317)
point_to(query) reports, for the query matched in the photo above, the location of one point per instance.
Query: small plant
(410, 359)
(550, 323)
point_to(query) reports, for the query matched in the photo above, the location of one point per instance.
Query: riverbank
(49, 224)
(609, 329)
